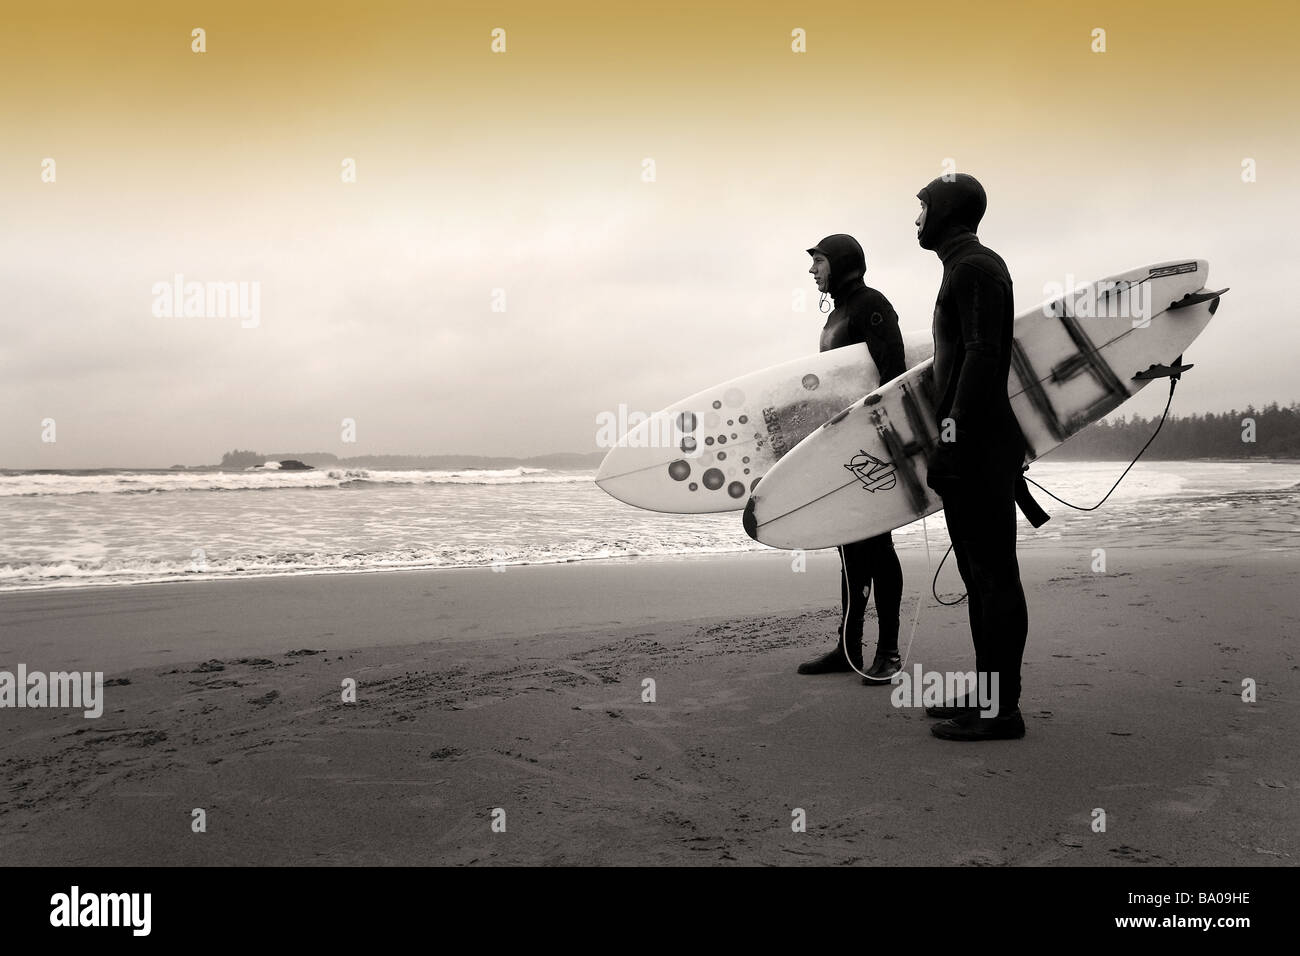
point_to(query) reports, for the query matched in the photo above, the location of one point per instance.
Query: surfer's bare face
(920, 220)
(821, 272)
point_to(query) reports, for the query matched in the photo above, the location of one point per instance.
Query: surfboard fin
(1196, 298)
(1174, 371)
(748, 521)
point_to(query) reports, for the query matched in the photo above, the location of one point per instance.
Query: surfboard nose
(748, 521)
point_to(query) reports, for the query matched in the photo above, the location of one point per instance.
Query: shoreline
(207, 578)
(141, 624)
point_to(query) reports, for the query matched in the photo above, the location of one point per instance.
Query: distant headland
(243, 459)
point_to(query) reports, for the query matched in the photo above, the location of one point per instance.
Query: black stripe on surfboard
(1086, 360)
(1038, 397)
(900, 452)
(1098, 348)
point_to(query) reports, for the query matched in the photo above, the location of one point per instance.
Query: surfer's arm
(879, 329)
(983, 310)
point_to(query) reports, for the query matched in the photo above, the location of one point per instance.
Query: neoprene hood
(848, 261)
(951, 206)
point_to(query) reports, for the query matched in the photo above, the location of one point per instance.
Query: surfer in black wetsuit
(977, 473)
(861, 315)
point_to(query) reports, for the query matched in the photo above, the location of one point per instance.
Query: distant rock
(289, 464)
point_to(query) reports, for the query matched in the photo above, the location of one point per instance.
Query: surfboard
(862, 473)
(705, 453)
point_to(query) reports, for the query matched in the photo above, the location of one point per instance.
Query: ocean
(118, 528)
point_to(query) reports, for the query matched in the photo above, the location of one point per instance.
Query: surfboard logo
(875, 475)
(773, 423)
(1171, 270)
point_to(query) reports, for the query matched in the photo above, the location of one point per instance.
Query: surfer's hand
(942, 467)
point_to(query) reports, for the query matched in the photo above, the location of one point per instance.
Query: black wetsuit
(978, 473)
(862, 314)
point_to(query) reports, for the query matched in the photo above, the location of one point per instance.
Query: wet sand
(523, 691)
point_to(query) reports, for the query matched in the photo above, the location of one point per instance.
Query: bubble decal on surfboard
(736, 489)
(679, 470)
(713, 479)
(686, 422)
(709, 440)
(722, 456)
(754, 484)
(811, 381)
(733, 397)
(717, 404)
(743, 419)
(693, 486)
(688, 444)
(711, 419)
(722, 439)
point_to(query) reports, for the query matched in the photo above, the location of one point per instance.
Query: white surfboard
(863, 472)
(705, 453)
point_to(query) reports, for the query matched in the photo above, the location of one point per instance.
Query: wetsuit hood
(951, 207)
(848, 262)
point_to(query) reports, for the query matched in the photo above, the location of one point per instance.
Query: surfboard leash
(925, 531)
(1173, 383)
(1174, 374)
(916, 615)
(934, 584)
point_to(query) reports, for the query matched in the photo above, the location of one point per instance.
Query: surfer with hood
(861, 315)
(978, 473)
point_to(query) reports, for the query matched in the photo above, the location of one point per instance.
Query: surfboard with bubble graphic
(706, 453)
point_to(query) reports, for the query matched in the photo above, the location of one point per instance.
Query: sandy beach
(522, 691)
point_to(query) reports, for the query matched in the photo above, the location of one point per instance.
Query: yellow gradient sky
(522, 171)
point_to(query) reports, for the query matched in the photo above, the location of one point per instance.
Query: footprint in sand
(1061, 847)
(978, 858)
(1131, 854)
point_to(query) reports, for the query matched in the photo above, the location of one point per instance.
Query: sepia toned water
(123, 527)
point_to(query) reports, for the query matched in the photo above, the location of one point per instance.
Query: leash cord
(916, 615)
(934, 585)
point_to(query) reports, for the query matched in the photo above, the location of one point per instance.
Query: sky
(502, 270)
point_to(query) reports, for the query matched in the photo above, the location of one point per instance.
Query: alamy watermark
(179, 299)
(75, 908)
(663, 431)
(924, 688)
(81, 690)
(1110, 299)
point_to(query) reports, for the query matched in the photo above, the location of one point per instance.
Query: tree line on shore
(1269, 432)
